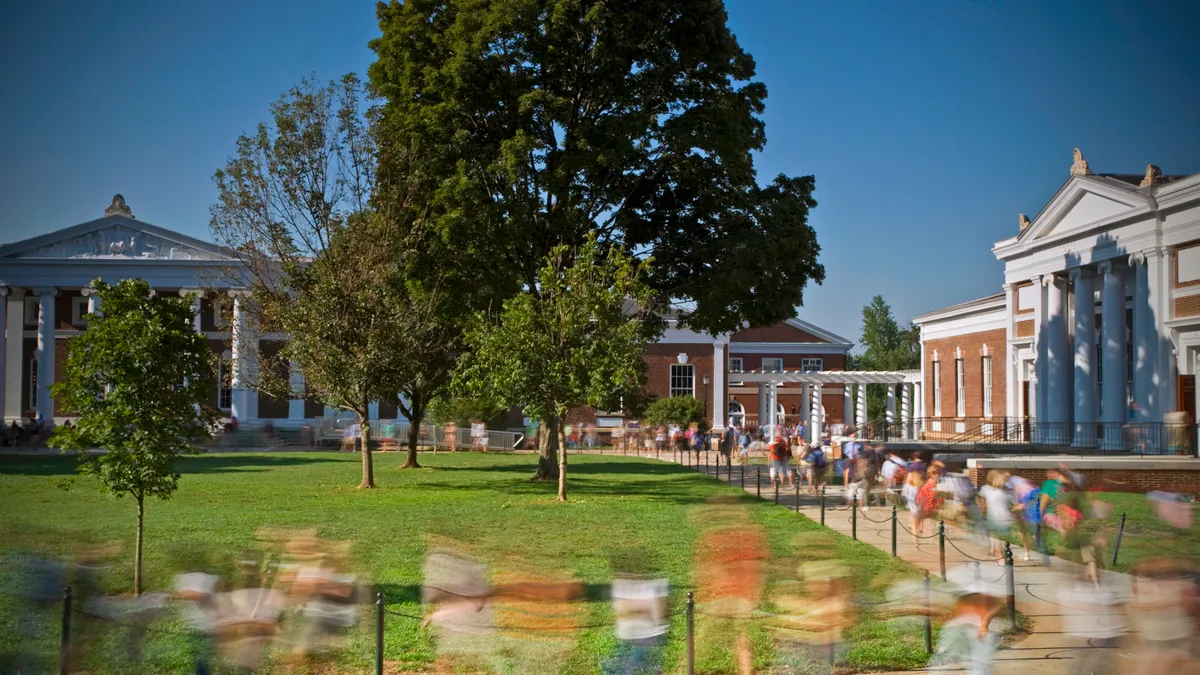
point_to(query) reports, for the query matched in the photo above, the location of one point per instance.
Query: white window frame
(735, 366)
(937, 388)
(225, 381)
(79, 310)
(772, 360)
(33, 384)
(32, 310)
(960, 388)
(687, 370)
(737, 413)
(812, 365)
(987, 385)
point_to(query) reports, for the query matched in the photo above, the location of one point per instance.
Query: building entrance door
(1186, 392)
(1025, 410)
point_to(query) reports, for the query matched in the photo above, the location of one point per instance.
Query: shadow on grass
(394, 594)
(65, 465)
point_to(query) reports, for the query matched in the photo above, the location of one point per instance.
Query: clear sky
(929, 125)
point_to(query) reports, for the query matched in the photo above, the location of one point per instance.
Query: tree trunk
(137, 550)
(368, 466)
(416, 414)
(562, 475)
(549, 439)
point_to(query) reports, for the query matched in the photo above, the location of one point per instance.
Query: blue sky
(929, 125)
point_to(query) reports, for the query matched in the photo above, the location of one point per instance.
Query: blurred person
(813, 623)
(780, 456)
(967, 634)
(998, 510)
(929, 500)
(538, 614)
(1030, 509)
(589, 435)
(660, 439)
(912, 487)
(461, 620)
(639, 595)
(1157, 610)
(845, 465)
(892, 471)
(479, 436)
(730, 558)
(450, 434)
(818, 467)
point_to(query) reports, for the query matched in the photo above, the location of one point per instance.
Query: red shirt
(927, 498)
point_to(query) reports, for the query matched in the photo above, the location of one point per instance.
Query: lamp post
(705, 381)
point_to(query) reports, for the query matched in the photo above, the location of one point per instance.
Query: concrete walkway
(1049, 648)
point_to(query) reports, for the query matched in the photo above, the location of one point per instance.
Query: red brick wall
(659, 357)
(1025, 328)
(971, 345)
(1187, 306)
(1124, 480)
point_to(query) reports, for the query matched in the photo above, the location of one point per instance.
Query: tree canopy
(576, 345)
(886, 346)
(136, 379)
(537, 125)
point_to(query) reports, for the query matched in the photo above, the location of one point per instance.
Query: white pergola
(855, 411)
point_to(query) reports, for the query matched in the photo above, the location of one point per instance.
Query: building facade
(45, 286)
(1098, 324)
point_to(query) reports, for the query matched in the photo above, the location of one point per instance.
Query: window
(960, 400)
(79, 310)
(683, 379)
(735, 366)
(937, 389)
(33, 374)
(737, 413)
(987, 386)
(32, 310)
(772, 365)
(225, 381)
(812, 365)
(221, 312)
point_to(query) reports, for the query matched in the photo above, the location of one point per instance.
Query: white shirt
(639, 604)
(999, 504)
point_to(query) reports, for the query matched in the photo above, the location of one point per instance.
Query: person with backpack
(780, 455)
(818, 463)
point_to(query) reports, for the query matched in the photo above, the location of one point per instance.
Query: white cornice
(736, 348)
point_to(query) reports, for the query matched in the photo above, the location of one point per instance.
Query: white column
(1036, 393)
(45, 351)
(773, 406)
(295, 405)
(847, 406)
(14, 354)
(1158, 299)
(4, 348)
(1012, 383)
(804, 412)
(1058, 356)
(860, 416)
(93, 299)
(1143, 340)
(891, 404)
(1085, 359)
(918, 409)
(816, 419)
(720, 407)
(245, 359)
(763, 394)
(906, 410)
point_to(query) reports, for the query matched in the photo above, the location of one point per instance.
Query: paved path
(1048, 649)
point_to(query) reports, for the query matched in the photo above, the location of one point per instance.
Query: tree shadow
(66, 464)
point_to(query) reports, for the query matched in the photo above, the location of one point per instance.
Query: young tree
(537, 124)
(578, 343)
(886, 346)
(326, 260)
(137, 378)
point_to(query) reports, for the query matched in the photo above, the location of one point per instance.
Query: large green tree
(534, 125)
(886, 345)
(137, 379)
(576, 343)
(321, 250)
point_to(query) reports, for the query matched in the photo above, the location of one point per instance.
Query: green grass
(1146, 536)
(487, 500)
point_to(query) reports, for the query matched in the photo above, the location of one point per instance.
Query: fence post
(742, 476)
(1011, 583)
(942, 547)
(822, 504)
(64, 640)
(928, 618)
(854, 517)
(776, 491)
(758, 482)
(691, 633)
(893, 531)
(379, 634)
(1120, 535)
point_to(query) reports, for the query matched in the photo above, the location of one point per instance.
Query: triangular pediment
(1085, 202)
(114, 237)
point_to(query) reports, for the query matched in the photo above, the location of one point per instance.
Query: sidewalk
(1047, 649)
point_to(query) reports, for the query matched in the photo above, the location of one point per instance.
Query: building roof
(985, 304)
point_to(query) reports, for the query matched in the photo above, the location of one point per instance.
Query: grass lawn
(483, 499)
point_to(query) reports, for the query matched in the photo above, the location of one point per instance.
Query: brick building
(45, 295)
(1098, 323)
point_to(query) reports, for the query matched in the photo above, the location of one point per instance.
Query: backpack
(817, 457)
(745, 439)
(1032, 506)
